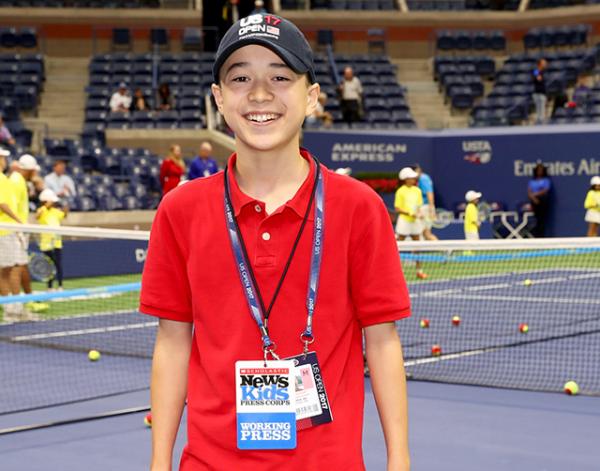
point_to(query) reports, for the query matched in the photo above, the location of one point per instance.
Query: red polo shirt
(190, 276)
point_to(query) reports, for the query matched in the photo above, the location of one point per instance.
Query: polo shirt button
(266, 236)
(258, 208)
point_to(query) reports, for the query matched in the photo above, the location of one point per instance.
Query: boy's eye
(281, 78)
(239, 79)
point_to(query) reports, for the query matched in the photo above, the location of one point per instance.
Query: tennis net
(521, 314)
(46, 336)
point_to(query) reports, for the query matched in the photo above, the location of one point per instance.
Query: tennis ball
(523, 328)
(424, 323)
(571, 388)
(456, 321)
(527, 282)
(436, 350)
(148, 420)
(94, 355)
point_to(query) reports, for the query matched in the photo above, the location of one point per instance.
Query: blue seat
(85, 203)
(445, 41)
(9, 37)
(27, 38)
(191, 39)
(533, 38)
(481, 41)
(159, 38)
(130, 203)
(463, 40)
(121, 38)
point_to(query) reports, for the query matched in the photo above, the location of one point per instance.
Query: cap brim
(292, 61)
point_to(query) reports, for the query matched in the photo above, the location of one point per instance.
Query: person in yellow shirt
(407, 202)
(25, 171)
(592, 204)
(10, 281)
(472, 222)
(51, 244)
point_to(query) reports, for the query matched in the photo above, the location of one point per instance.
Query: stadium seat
(27, 38)
(121, 39)
(191, 39)
(9, 38)
(159, 39)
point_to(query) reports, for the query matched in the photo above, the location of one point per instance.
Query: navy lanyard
(251, 291)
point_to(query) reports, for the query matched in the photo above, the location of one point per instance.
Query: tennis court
(51, 389)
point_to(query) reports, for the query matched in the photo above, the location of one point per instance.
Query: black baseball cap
(278, 34)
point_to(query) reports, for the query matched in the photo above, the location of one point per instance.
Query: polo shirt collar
(298, 203)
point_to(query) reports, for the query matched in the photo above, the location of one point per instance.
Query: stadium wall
(495, 161)
(69, 32)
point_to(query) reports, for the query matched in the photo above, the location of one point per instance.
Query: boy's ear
(312, 98)
(217, 94)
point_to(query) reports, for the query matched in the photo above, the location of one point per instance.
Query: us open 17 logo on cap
(259, 24)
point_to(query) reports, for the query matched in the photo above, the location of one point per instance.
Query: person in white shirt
(60, 183)
(351, 96)
(319, 115)
(120, 101)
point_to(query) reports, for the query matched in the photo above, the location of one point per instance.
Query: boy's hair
(273, 32)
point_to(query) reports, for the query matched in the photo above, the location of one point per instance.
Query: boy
(472, 215)
(229, 262)
(51, 244)
(407, 202)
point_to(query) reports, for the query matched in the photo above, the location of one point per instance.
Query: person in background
(319, 115)
(581, 93)
(120, 101)
(592, 204)
(538, 191)
(259, 7)
(172, 169)
(6, 138)
(60, 183)
(139, 102)
(407, 202)
(351, 96)
(203, 165)
(539, 91)
(164, 98)
(25, 172)
(471, 224)
(425, 184)
(51, 244)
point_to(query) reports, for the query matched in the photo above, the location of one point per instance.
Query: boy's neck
(273, 178)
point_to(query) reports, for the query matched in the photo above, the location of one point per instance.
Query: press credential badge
(265, 405)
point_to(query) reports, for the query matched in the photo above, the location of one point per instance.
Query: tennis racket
(41, 267)
(485, 210)
(443, 218)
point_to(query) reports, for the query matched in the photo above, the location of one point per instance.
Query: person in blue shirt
(203, 165)
(425, 184)
(538, 191)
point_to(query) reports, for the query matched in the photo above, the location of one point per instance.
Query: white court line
(585, 277)
(525, 299)
(450, 356)
(96, 330)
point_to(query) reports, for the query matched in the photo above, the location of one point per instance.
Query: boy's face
(262, 99)
(410, 181)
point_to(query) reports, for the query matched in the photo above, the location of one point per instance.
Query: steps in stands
(62, 105)
(425, 100)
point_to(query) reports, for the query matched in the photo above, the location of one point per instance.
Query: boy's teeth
(261, 117)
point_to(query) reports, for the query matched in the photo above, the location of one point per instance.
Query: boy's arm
(386, 366)
(168, 388)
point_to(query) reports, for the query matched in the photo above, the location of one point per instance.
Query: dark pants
(350, 110)
(540, 210)
(56, 256)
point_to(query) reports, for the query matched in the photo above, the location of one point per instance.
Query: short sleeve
(377, 284)
(165, 285)
(398, 199)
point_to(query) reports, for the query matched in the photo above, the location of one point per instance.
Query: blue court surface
(561, 307)
(461, 428)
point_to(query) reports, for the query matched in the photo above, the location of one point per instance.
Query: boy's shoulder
(352, 191)
(194, 193)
